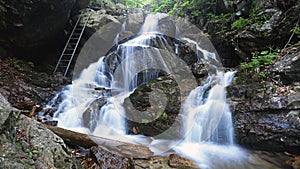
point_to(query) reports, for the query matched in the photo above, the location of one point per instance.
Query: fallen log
(128, 150)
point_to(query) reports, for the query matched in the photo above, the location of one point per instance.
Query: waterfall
(82, 107)
(208, 117)
(207, 121)
(79, 109)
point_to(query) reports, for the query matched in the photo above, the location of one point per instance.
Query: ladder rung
(73, 42)
(74, 37)
(68, 52)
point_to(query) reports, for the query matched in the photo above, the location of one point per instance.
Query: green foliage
(259, 61)
(31, 64)
(127, 3)
(134, 3)
(212, 16)
(164, 115)
(257, 18)
(164, 6)
(32, 152)
(179, 7)
(239, 24)
(16, 64)
(145, 121)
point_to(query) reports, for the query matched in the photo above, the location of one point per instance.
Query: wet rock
(134, 20)
(173, 161)
(176, 161)
(265, 118)
(270, 160)
(91, 114)
(51, 122)
(108, 159)
(159, 116)
(154, 107)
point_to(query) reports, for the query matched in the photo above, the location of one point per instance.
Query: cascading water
(208, 130)
(81, 95)
(208, 116)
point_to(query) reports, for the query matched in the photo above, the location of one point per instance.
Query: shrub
(259, 61)
(239, 24)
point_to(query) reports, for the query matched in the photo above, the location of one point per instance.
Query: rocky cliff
(33, 28)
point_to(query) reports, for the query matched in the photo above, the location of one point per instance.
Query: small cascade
(208, 114)
(208, 128)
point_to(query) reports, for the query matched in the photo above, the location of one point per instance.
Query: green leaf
(145, 121)
(264, 52)
(35, 151)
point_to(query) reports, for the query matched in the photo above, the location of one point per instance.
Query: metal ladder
(72, 44)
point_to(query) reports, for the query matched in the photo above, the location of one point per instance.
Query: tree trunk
(87, 141)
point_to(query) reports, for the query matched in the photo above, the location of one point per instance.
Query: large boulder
(25, 143)
(27, 26)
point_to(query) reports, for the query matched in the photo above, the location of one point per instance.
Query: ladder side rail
(61, 56)
(82, 31)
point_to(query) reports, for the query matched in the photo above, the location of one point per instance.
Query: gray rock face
(266, 116)
(26, 144)
(288, 68)
(30, 24)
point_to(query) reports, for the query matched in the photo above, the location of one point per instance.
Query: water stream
(208, 134)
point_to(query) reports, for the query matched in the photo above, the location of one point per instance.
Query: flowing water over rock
(93, 104)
